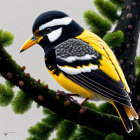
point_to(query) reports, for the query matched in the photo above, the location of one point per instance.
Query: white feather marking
(70, 59)
(74, 71)
(56, 22)
(54, 35)
(131, 118)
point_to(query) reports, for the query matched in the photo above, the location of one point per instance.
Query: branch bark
(129, 24)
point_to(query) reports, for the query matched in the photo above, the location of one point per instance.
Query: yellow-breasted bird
(82, 63)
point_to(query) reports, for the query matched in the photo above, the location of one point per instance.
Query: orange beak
(30, 42)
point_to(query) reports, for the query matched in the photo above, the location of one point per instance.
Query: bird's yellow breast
(71, 86)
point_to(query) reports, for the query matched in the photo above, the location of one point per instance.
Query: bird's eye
(48, 30)
(44, 32)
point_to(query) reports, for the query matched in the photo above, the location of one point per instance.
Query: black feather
(124, 116)
(107, 88)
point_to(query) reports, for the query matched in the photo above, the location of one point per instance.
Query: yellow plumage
(71, 86)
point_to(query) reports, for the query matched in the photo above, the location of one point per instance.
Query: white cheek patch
(54, 35)
(73, 71)
(56, 22)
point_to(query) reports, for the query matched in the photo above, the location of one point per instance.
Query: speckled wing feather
(75, 52)
(80, 63)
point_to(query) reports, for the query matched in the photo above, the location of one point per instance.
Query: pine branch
(129, 24)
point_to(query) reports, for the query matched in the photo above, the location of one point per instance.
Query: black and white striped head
(51, 28)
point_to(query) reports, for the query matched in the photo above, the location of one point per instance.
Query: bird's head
(51, 28)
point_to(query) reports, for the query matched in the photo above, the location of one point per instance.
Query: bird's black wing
(80, 63)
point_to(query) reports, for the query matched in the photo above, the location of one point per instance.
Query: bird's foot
(84, 101)
(67, 96)
(83, 108)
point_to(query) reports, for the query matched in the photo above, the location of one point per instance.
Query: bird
(82, 63)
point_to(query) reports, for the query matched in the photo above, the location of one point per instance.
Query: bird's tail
(126, 114)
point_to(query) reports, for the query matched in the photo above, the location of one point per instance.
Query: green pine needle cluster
(137, 92)
(114, 39)
(137, 65)
(31, 138)
(6, 95)
(9, 84)
(101, 24)
(46, 111)
(119, 3)
(42, 130)
(39, 132)
(21, 103)
(91, 105)
(84, 133)
(52, 120)
(114, 136)
(96, 23)
(104, 107)
(138, 62)
(6, 38)
(107, 9)
(107, 108)
(65, 130)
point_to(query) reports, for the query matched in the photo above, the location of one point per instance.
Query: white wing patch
(56, 22)
(73, 71)
(70, 59)
(54, 35)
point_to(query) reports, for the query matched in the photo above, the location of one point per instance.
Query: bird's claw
(67, 96)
